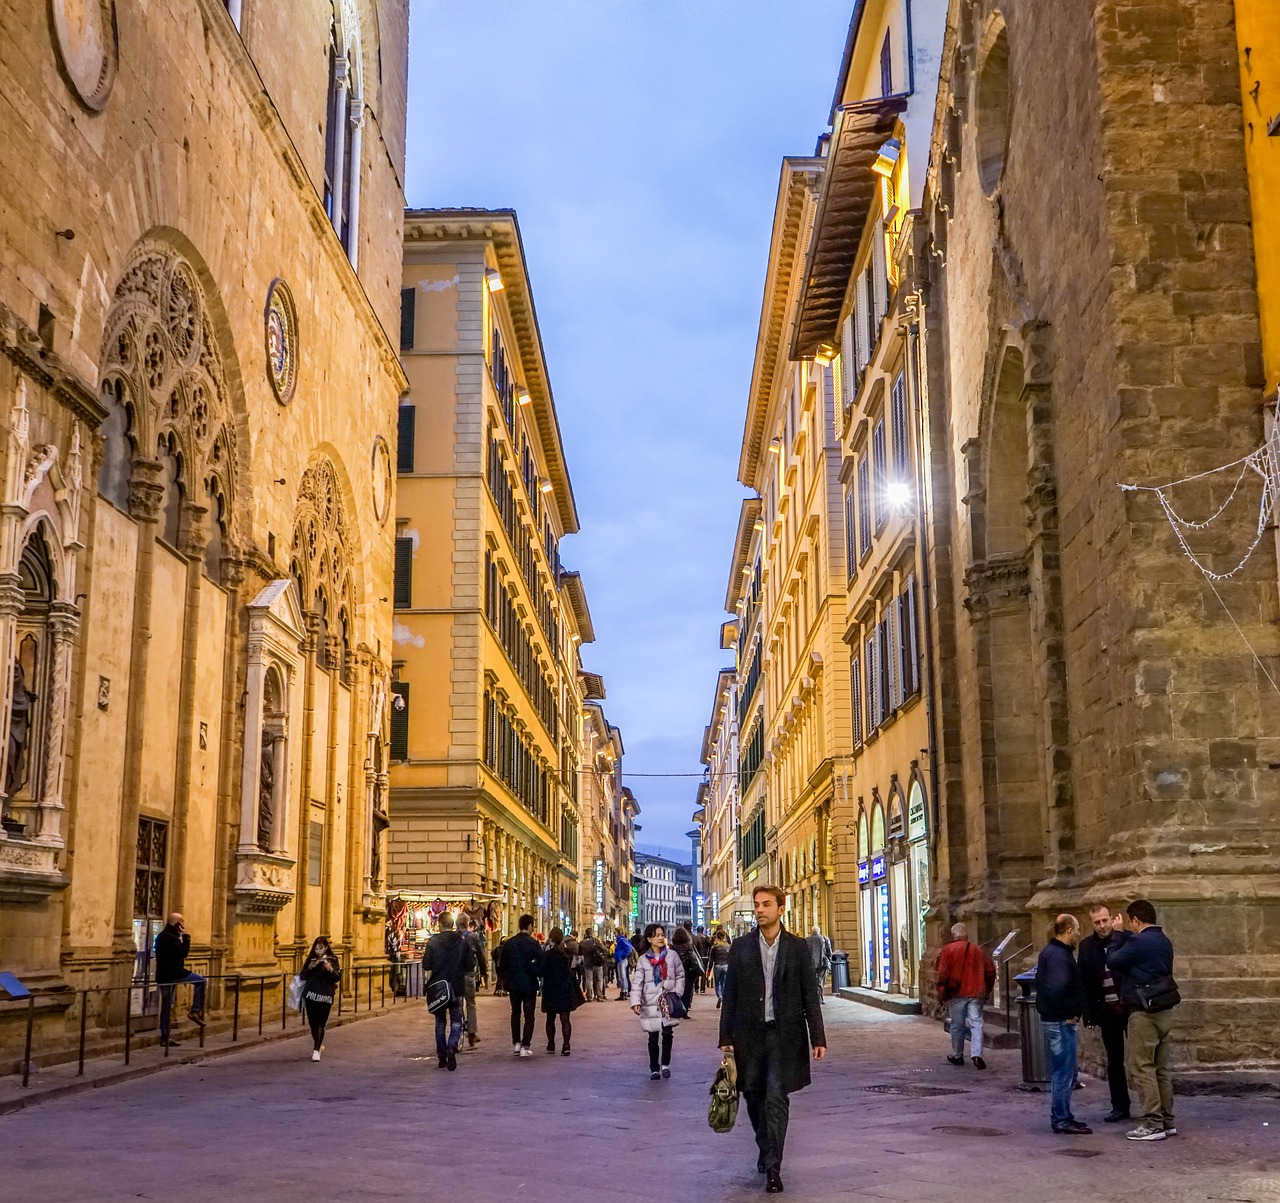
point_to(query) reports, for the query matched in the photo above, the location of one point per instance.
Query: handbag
(671, 1005)
(722, 1114)
(1161, 994)
(439, 995)
(296, 987)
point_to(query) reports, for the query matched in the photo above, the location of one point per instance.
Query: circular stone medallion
(381, 479)
(84, 32)
(282, 341)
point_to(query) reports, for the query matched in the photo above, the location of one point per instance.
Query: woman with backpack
(320, 974)
(561, 994)
(682, 942)
(659, 972)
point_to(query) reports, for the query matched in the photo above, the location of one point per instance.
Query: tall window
(404, 573)
(850, 547)
(879, 479)
(399, 720)
(344, 122)
(864, 506)
(901, 449)
(855, 684)
(407, 418)
(408, 316)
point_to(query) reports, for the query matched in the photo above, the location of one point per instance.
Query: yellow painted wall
(1258, 36)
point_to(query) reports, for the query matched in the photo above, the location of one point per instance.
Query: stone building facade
(717, 809)
(1086, 281)
(489, 690)
(198, 267)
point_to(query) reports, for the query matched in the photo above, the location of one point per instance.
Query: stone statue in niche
(266, 791)
(20, 715)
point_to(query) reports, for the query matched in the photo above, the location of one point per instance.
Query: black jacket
(797, 1010)
(521, 963)
(594, 954)
(322, 975)
(560, 989)
(1091, 956)
(476, 943)
(1059, 991)
(1144, 957)
(172, 950)
(449, 955)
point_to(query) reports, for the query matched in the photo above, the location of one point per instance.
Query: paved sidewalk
(886, 1118)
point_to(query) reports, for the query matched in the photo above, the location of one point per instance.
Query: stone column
(146, 494)
(310, 647)
(341, 84)
(280, 784)
(195, 535)
(353, 181)
(11, 602)
(230, 747)
(250, 771)
(64, 627)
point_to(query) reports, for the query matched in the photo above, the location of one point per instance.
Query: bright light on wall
(898, 494)
(494, 280)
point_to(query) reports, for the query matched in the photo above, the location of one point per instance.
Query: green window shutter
(407, 298)
(404, 574)
(399, 720)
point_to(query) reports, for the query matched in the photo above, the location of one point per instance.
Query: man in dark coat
(521, 963)
(1102, 1006)
(449, 957)
(172, 947)
(771, 1016)
(1060, 1001)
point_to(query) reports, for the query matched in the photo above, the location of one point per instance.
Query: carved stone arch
(321, 560)
(162, 357)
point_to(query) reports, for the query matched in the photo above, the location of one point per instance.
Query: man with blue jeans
(449, 957)
(1060, 1002)
(172, 947)
(966, 974)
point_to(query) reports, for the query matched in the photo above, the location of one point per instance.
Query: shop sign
(599, 884)
(699, 910)
(915, 818)
(886, 939)
(877, 867)
(715, 905)
(864, 872)
(635, 905)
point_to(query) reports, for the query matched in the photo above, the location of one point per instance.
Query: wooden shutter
(879, 273)
(864, 506)
(850, 548)
(404, 574)
(910, 647)
(407, 313)
(405, 428)
(893, 654)
(855, 685)
(399, 720)
(878, 473)
(901, 448)
(848, 362)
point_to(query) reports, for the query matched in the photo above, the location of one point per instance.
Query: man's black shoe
(444, 1061)
(979, 1063)
(955, 1060)
(452, 1061)
(1073, 1127)
(1114, 1117)
(773, 1183)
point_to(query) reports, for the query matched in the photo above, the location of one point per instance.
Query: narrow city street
(886, 1118)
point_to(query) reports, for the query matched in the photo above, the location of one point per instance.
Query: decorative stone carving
(382, 479)
(264, 884)
(282, 341)
(84, 32)
(321, 560)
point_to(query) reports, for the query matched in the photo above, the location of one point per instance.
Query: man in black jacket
(172, 947)
(521, 959)
(771, 1016)
(1060, 1001)
(1145, 963)
(480, 971)
(449, 957)
(1102, 1006)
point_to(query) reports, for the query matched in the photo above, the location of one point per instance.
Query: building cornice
(747, 518)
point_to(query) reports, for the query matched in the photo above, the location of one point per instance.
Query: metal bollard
(128, 1023)
(262, 997)
(369, 982)
(84, 1014)
(284, 1002)
(235, 1014)
(26, 1057)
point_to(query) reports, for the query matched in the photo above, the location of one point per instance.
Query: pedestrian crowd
(768, 985)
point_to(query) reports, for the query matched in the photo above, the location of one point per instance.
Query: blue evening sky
(640, 143)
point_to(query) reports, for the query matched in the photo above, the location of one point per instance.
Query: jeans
(668, 1035)
(167, 992)
(771, 1111)
(453, 1012)
(720, 972)
(624, 978)
(1062, 1038)
(594, 987)
(566, 1030)
(966, 1010)
(1112, 1030)
(522, 1002)
(1150, 1034)
(469, 996)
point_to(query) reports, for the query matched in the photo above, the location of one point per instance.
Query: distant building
(659, 880)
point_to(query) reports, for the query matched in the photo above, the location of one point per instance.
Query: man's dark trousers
(521, 1002)
(770, 1112)
(1112, 1029)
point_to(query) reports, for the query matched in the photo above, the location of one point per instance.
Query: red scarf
(659, 964)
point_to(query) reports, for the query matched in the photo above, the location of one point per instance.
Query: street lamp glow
(898, 494)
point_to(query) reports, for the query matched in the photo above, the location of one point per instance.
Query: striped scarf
(659, 964)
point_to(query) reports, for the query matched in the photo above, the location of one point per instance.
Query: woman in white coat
(658, 972)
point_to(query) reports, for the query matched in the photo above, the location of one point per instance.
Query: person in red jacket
(966, 975)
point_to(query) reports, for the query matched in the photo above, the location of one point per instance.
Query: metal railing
(402, 978)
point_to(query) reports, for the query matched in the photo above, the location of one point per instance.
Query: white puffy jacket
(645, 992)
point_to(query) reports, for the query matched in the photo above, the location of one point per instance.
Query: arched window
(117, 450)
(877, 829)
(30, 670)
(344, 121)
(217, 533)
(171, 506)
(863, 847)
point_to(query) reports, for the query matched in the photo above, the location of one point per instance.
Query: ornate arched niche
(265, 862)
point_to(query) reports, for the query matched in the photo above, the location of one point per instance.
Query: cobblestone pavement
(886, 1118)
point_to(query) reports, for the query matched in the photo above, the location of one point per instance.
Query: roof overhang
(747, 518)
(786, 254)
(501, 230)
(571, 583)
(593, 687)
(849, 188)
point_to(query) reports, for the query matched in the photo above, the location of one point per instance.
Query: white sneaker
(526, 1052)
(315, 1054)
(515, 1050)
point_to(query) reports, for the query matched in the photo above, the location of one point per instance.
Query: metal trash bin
(839, 972)
(1035, 1047)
